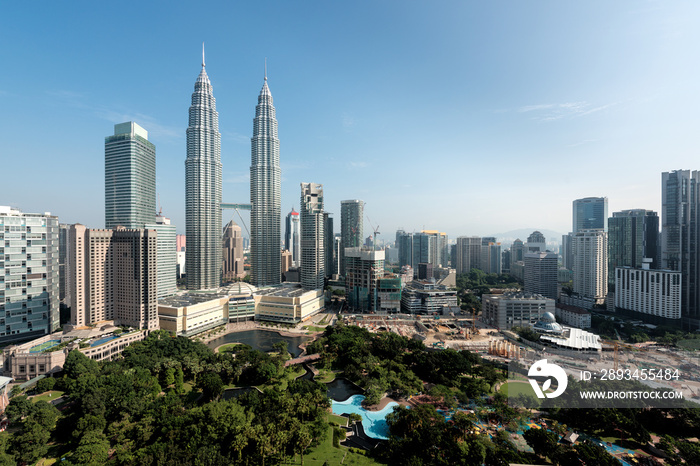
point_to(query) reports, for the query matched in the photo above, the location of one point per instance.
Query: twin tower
(203, 191)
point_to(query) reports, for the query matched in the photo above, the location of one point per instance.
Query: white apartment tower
(29, 274)
(312, 237)
(590, 249)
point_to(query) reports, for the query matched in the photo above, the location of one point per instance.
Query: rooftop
(190, 298)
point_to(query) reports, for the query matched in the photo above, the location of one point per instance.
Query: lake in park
(261, 340)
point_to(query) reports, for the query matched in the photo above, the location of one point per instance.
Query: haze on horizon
(469, 118)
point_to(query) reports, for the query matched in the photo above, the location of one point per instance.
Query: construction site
(434, 331)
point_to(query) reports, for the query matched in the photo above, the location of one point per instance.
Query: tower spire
(203, 65)
(265, 68)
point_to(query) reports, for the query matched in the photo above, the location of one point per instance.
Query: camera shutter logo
(542, 369)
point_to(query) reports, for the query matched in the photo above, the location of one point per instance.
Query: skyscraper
(291, 236)
(468, 253)
(679, 237)
(233, 251)
(591, 264)
(203, 188)
(328, 241)
(632, 236)
(351, 234)
(265, 194)
(130, 177)
(312, 237)
(166, 245)
(590, 213)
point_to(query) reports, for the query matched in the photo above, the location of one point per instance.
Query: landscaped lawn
(228, 347)
(325, 376)
(313, 328)
(48, 396)
(327, 452)
(513, 388)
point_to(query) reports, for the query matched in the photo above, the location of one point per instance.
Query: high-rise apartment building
(63, 229)
(591, 264)
(130, 177)
(438, 248)
(679, 237)
(292, 240)
(312, 237)
(351, 222)
(265, 194)
(112, 276)
(468, 253)
(633, 235)
(541, 273)
(29, 274)
(232, 253)
(203, 189)
(166, 263)
(590, 213)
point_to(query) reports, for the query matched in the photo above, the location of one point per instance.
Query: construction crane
(376, 232)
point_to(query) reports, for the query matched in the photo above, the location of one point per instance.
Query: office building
(351, 227)
(508, 310)
(363, 269)
(328, 240)
(62, 255)
(389, 295)
(232, 252)
(265, 194)
(192, 313)
(633, 235)
(516, 251)
(590, 213)
(540, 273)
(112, 276)
(591, 264)
(536, 242)
(29, 274)
(166, 262)
(130, 177)
(679, 238)
(567, 251)
(203, 188)
(312, 237)
(292, 239)
(427, 297)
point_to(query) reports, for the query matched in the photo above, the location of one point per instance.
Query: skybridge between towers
(238, 208)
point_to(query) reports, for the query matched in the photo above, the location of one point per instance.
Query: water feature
(231, 393)
(261, 340)
(373, 422)
(341, 389)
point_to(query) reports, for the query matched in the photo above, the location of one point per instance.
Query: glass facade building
(203, 189)
(590, 213)
(632, 236)
(130, 177)
(265, 194)
(29, 274)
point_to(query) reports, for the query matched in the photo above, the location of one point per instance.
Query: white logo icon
(543, 369)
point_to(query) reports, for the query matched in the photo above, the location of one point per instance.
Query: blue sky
(473, 118)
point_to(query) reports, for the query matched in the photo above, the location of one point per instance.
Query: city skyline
(599, 106)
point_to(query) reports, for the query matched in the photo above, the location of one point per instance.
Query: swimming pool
(373, 422)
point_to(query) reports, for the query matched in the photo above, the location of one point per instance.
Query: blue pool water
(373, 422)
(102, 340)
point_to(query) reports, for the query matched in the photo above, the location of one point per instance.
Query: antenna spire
(203, 65)
(265, 68)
